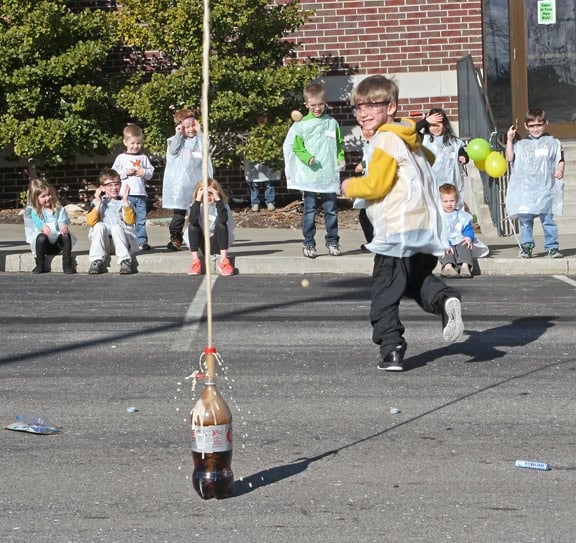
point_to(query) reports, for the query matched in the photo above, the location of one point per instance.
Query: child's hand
(311, 161)
(559, 173)
(46, 230)
(214, 193)
(358, 168)
(467, 242)
(435, 118)
(99, 194)
(344, 185)
(449, 251)
(511, 134)
(63, 228)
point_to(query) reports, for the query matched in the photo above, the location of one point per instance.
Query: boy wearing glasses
(538, 169)
(319, 157)
(403, 206)
(111, 221)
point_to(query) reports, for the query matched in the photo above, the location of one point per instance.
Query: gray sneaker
(270, 206)
(126, 267)
(555, 253)
(96, 267)
(526, 251)
(309, 251)
(334, 250)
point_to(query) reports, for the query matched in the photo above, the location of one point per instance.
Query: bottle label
(209, 439)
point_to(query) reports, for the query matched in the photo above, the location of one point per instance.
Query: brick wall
(393, 37)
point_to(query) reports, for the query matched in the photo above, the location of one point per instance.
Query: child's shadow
(483, 346)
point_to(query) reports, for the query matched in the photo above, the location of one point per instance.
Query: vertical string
(205, 151)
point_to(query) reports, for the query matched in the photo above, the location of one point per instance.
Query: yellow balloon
(495, 164)
(480, 164)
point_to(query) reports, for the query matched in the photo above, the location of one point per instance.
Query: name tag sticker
(330, 133)
(541, 152)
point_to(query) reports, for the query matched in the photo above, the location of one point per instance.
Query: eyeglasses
(370, 107)
(534, 125)
(111, 184)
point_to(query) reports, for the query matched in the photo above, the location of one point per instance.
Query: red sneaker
(195, 268)
(225, 267)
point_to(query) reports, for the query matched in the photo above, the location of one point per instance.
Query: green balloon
(478, 149)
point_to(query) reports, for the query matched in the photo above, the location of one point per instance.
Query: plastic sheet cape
(183, 172)
(454, 223)
(324, 175)
(532, 179)
(31, 231)
(407, 221)
(446, 168)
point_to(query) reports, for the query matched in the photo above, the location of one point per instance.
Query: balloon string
(205, 153)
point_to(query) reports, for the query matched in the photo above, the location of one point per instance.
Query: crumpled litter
(34, 424)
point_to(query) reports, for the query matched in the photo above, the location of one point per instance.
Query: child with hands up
(111, 221)
(220, 226)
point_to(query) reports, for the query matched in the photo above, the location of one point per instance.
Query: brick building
(527, 51)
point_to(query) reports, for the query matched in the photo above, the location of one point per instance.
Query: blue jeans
(330, 209)
(269, 192)
(139, 205)
(548, 226)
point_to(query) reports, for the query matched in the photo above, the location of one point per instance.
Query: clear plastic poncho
(320, 135)
(446, 167)
(183, 171)
(532, 180)
(407, 219)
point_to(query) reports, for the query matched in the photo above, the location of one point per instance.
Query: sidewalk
(279, 251)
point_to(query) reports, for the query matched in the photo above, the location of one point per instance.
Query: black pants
(218, 241)
(177, 224)
(392, 279)
(366, 225)
(63, 245)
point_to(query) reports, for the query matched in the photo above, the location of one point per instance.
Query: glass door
(543, 61)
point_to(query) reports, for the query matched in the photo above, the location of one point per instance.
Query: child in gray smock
(182, 173)
(259, 176)
(449, 153)
(314, 156)
(464, 246)
(538, 167)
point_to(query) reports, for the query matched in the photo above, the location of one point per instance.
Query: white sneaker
(270, 206)
(334, 250)
(452, 320)
(309, 251)
(255, 208)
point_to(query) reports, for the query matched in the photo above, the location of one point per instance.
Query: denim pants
(330, 209)
(269, 192)
(548, 226)
(139, 205)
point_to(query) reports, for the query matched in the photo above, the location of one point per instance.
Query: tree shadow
(274, 475)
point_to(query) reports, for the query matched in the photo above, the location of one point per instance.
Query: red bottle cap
(209, 350)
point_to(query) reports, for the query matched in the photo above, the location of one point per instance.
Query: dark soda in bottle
(211, 425)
